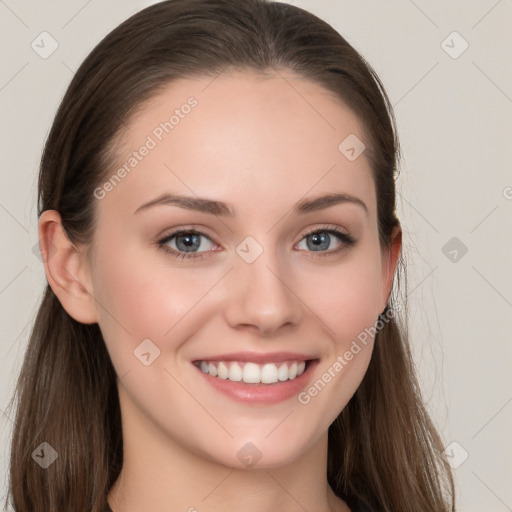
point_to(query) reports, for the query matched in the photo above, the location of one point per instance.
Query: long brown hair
(383, 447)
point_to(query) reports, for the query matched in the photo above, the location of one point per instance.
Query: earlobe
(66, 269)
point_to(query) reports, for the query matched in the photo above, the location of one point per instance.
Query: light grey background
(455, 124)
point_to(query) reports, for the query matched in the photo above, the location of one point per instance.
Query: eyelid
(325, 227)
(163, 240)
(199, 230)
(347, 240)
(193, 228)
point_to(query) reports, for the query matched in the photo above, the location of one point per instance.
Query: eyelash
(346, 239)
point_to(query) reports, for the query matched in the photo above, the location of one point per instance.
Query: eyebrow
(213, 207)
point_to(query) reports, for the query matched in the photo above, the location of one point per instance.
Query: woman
(217, 223)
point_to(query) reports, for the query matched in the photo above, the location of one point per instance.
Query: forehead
(259, 139)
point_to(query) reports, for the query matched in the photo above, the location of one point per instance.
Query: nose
(261, 296)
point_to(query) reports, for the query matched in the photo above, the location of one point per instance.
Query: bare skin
(260, 146)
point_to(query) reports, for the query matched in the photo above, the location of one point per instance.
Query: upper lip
(256, 357)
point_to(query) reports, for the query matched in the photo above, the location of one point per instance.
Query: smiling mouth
(253, 373)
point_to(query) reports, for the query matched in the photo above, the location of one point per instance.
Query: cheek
(349, 307)
(138, 301)
(345, 297)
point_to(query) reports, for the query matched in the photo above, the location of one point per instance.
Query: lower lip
(261, 393)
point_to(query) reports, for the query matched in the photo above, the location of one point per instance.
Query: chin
(262, 451)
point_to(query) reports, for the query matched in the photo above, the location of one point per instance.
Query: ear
(389, 263)
(66, 268)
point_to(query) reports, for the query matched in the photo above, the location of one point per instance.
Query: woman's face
(246, 292)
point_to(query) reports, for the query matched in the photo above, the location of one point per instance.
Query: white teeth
(235, 372)
(292, 371)
(269, 373)
(222, 371)
(253, 373)
(282, 373)
(212, 369)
